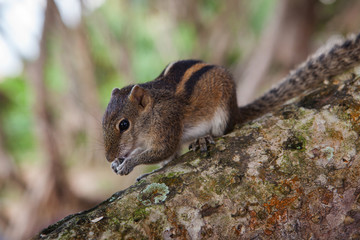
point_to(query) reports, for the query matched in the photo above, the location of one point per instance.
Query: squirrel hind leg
(201, 143)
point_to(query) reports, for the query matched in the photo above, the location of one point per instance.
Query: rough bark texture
(293, 174)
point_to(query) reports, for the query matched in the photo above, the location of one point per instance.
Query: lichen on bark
(292, 174)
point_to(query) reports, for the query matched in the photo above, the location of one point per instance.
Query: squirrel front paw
(122, 167)
(115, 164)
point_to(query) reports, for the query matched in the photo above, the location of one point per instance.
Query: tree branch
(293, 174)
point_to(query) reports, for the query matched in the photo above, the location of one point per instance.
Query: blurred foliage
(16, 118)
(54, 71)
(260, 11)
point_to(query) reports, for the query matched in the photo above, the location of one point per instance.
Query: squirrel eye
(123, 125)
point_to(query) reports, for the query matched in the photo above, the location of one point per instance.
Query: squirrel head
(125, 120)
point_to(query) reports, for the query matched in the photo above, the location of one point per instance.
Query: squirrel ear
(140, 96)
(114, 91)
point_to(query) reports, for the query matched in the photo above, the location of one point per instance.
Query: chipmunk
(148, 123)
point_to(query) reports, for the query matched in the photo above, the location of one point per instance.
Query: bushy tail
(309, 75)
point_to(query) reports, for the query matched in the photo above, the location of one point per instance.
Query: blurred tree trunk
(9, 177)
(82, 112)
(346, 19)
(8, 170)
(293, 174)
(50, 196)
(296, 18)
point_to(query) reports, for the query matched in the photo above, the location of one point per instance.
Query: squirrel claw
(115, 164)
(124, 168)
(120, 167)
(201, 143)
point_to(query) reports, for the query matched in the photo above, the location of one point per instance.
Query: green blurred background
(54, 89)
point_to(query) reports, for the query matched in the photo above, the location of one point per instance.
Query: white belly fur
(214, 127)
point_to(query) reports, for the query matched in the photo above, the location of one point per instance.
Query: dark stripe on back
(173, 76)
(195, 77)
(179, 68)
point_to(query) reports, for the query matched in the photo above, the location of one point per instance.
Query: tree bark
(292, 174)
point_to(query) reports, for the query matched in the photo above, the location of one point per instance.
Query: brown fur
(191, 99)
(180, 87)
(213, 90)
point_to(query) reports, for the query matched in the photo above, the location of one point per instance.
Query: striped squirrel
(148, 123)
